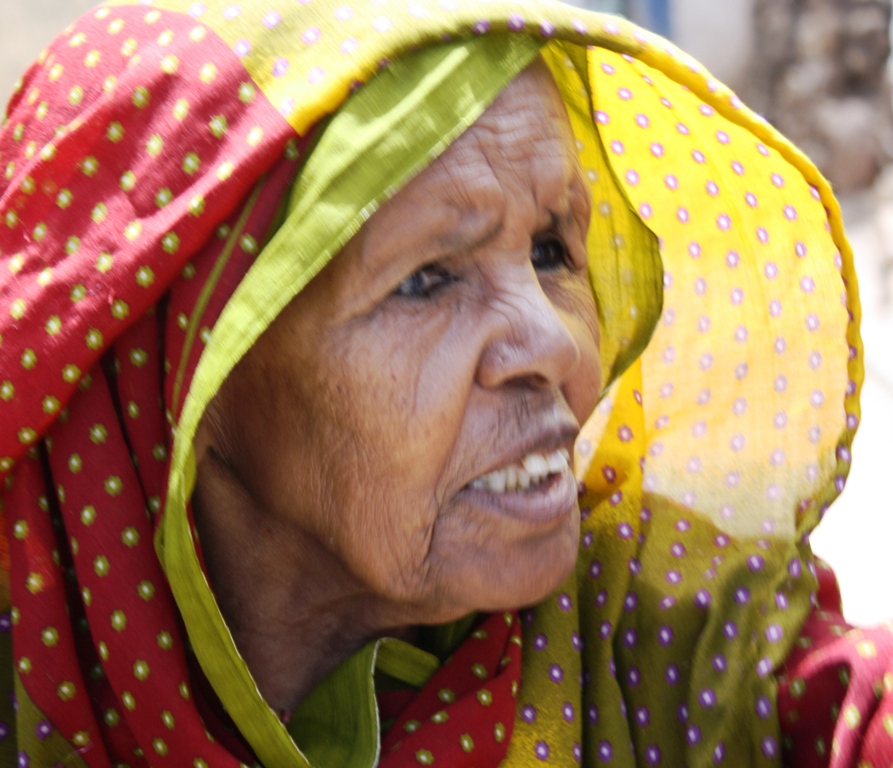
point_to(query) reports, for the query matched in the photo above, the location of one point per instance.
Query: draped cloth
(172, 178)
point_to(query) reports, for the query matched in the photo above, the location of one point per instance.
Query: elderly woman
(304, 307)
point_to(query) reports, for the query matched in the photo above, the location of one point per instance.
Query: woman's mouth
(524, 475)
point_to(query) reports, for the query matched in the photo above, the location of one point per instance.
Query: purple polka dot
(541, 750)
(764, 707)
(764, 666)
(567, 711)
(577, 752)
(630, 601)
(778, 180)
(672, 674)
(5, 623)
(43, 729)
(692, 734)
(592, 714)
(665, 635)
(515, 22)
(577, 641)
(707, 698)
(540, 642)
(657, 149)
(738, 168)
(4, 731)
(528, 713)
(24, 760)
(698, 157)
(652, 754)
(719, 753)
(564, 601)
(242, 48)
(683, 129)
(769, 746)
(732, 259)
(730, 630)
(719, 663)
(605, 751)
(702, 598)
(556, 673)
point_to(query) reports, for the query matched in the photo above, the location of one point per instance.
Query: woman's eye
(424, 282)
(549, 253)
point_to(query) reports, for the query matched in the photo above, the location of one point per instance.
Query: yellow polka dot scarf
(145, 162)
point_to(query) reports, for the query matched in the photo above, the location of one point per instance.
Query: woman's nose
(530, 342)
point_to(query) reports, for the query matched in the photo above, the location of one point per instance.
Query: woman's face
(443, 361)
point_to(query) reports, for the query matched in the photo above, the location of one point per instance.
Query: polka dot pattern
(708, 462)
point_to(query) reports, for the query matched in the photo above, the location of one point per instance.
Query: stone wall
(819, 74)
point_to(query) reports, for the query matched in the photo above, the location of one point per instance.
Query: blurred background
(820, 71)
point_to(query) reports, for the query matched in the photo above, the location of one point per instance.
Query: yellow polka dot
(102, 13)
(127, 181)
(120, 309)
(254, 136)
(130, 536)
(141, 670)
(225, 170)
(24, 665)
(159, 746)
(50, 404)
(76, 95)
(218, 126)
(411, 726)
(116, 26)
(128, 700)
(866, 649)
(247, 92)
(499, 732)
(103, 650)
(851, 716)
(78, 292)
(485, 697)
(92, 58)
(7, 390)
(99, 214)
(75, 463)
(207, 73)
(101, 565)
(191, 163)
(199, 763)
(138, 357)
(424, 757)
(197, 34)
(113, 485)
(184, 690)
(45, 277)
(56, 72)
(119, 620)
(170, 243)
(129, 47)
(27, 436)
(111, 717)
(66, 690)
(146, 590)
(170, 64)
(16, 263)
(440, 717)
(115, 132)
(53, 325)
(466, 742)
(49, 636)
(28, 186)
(155, 145)
(479, 671)
(20, 529)
(164, 640)
(29, 359)
(133, 410)
(86, 595)
(133, 230)
(71, 373)
(11, 219)
(17, 309)
(181, 109)
(80, 739)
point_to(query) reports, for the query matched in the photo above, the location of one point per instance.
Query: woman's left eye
(549, 253)
(424, 282)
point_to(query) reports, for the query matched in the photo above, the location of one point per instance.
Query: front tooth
(497, 481)
(480, 484)
(511, 479)
(565, 454)
(523, 479)
(557, 462)
(535, 464)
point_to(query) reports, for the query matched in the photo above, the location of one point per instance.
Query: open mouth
(522, 476)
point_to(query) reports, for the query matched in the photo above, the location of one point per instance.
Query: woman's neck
(294, 612)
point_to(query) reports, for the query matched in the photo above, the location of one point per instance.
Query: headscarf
(148, 158)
